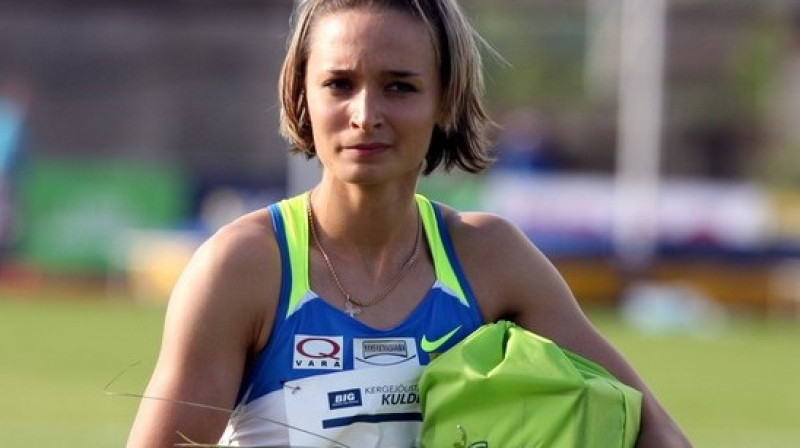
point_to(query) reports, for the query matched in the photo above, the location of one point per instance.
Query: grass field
(740, 388)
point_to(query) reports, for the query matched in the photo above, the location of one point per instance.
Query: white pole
(640, 127)
(602, 54)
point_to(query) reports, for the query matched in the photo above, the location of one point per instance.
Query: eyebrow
(391, 73)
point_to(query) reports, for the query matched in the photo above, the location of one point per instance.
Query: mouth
(371, 146)
(367, 147)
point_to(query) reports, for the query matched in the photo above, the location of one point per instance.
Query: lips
(374, 146)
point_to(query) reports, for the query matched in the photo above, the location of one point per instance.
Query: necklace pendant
(351, 308)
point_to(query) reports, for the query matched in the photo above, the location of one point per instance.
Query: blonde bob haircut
(461, 139)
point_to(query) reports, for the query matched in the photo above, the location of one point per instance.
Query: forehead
(349, 38)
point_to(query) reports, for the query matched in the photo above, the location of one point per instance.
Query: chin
(376, 174)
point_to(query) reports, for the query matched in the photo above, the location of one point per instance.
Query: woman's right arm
(219, 314)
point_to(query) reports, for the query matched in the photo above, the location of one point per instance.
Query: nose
(366, 113)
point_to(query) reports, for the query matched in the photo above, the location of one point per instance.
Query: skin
(372, 92)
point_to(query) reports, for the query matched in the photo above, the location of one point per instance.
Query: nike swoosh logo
(430, 346)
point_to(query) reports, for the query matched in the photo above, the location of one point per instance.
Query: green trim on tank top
(294, 212)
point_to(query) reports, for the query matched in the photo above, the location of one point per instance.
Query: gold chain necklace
(351, 305)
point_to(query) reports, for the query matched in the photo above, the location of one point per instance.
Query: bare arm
(215, 319)
(520, 284)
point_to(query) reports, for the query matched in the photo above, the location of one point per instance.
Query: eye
(401, 87)
(337, 84)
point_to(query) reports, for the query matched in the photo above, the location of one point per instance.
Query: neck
(378, 275)
(365, 220)
(376, 236)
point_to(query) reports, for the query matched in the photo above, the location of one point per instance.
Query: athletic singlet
(325, 379)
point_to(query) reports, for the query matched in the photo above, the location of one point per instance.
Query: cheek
(419, 121)
(322, 115)
(419, 133)
(313, 104)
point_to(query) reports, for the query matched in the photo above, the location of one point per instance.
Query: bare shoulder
(481, 230)
(218, 316)
(241, 246)
(235, 275)
(511, 277)
(486, 237)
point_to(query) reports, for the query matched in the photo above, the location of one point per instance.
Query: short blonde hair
(462, 139)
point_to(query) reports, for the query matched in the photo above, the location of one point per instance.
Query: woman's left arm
(513, 280)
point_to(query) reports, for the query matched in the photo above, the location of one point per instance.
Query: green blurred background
(131, 130)
(733, 388)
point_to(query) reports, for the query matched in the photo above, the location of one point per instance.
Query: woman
(313, 319)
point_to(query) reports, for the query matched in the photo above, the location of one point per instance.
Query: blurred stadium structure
(151, 122)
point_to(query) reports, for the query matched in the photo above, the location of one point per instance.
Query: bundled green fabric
(505, 387)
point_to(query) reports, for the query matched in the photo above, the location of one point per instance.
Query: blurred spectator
(526, 144)
(15, 98)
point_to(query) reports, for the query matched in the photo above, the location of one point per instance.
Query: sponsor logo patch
(432, 346)
(394, 395)
(341, 399)
(317, 352)
(383, 351)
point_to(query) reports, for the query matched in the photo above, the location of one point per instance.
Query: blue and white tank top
(325, 379)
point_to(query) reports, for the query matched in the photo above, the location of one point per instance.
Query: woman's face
(372, 91)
